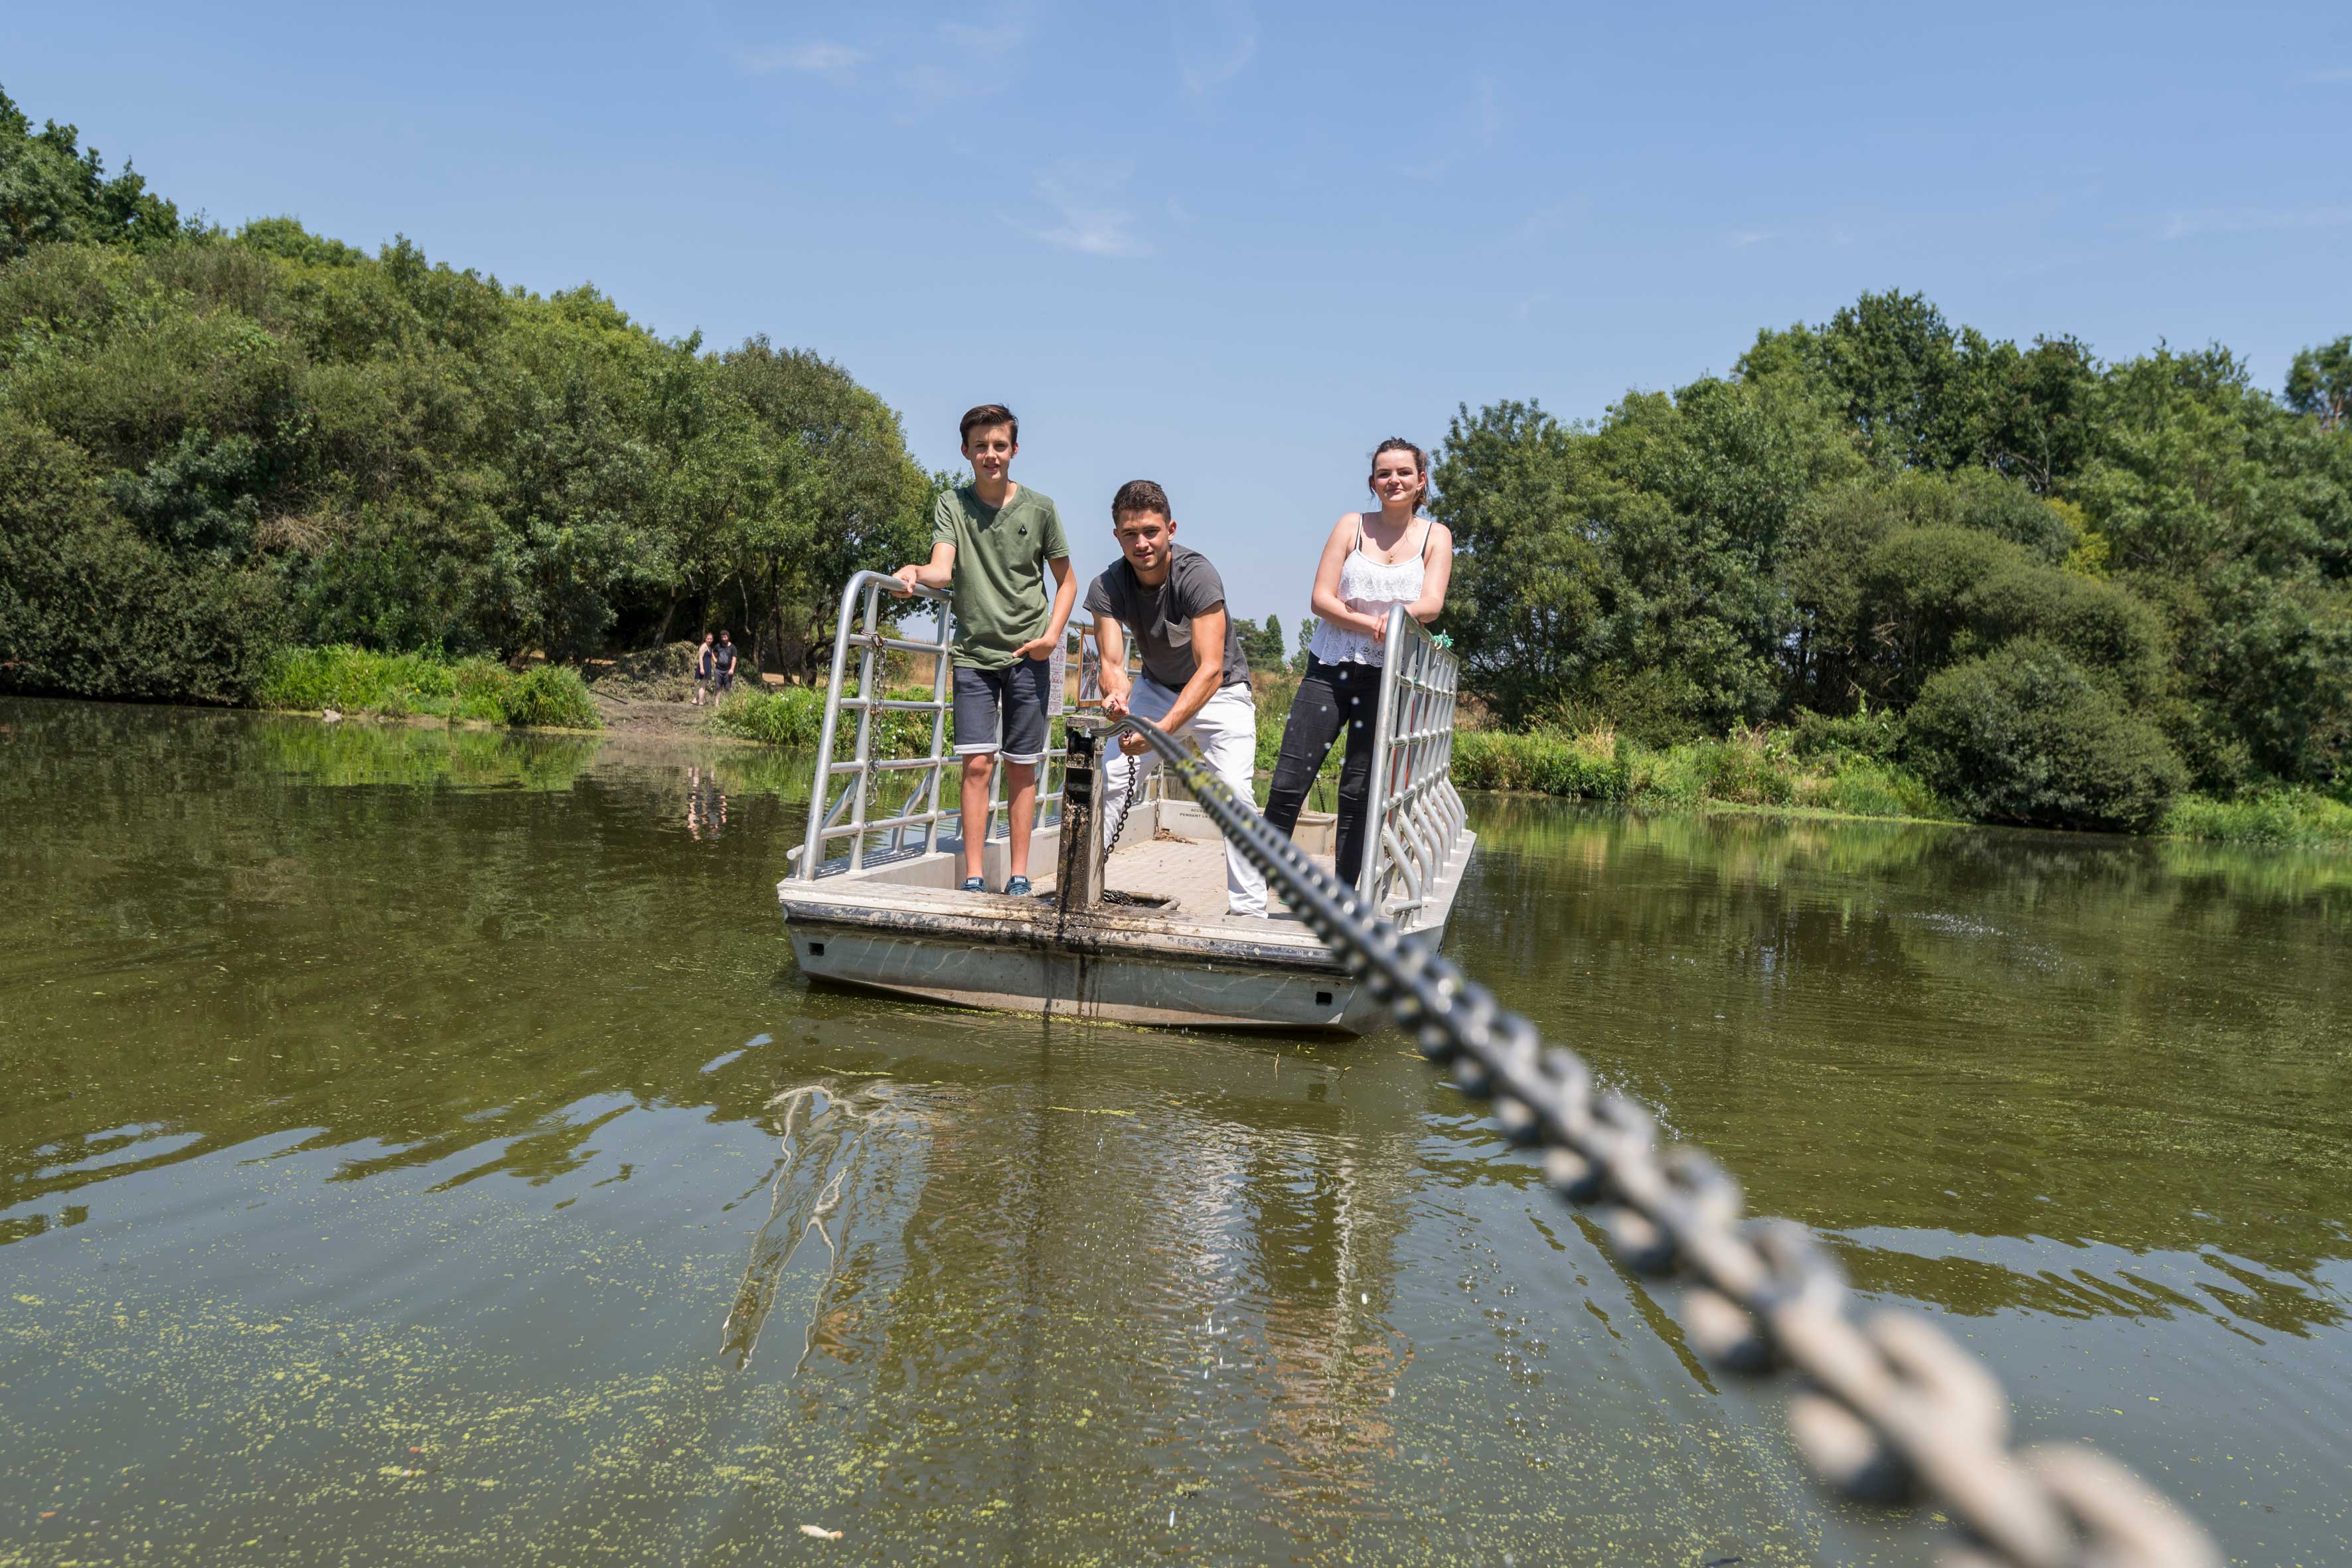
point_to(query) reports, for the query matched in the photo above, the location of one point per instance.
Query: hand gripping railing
(1891, 1409)
(862, 628)
(1415, 815)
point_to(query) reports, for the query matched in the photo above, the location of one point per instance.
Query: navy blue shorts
(1003, 709)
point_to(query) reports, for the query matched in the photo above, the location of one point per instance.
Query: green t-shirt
(1000, 570)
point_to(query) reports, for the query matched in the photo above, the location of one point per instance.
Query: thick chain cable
(1892, 1410)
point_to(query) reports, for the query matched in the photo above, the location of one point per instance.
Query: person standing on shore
(993, 542)
(1373, 561)
(1195, 684)
(722, 664)
(702, 663)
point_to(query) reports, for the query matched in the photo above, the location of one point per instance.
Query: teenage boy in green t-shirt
(991, 543)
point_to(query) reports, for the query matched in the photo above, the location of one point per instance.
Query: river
(420, 1145)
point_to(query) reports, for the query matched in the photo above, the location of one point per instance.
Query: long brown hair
(1419, 463)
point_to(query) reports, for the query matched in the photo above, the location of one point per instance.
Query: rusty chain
(1890, 1410)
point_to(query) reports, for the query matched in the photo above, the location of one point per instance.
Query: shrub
(1861, 786)
(89, 606)
(791, 717)
(551, 696)
(1877, 735)
(2098, 624)
(1743, 769)
(2023, 735)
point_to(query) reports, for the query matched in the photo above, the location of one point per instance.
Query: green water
(421, 1147)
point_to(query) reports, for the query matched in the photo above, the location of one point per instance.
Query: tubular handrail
(1416, 815)
(864, 626)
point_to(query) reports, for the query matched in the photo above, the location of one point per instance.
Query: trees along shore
(1885, 565)
(215, 447)
(2050, 590)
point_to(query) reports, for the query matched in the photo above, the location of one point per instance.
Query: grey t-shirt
(1160, 619)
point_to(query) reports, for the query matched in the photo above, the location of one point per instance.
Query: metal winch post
(1077, 871)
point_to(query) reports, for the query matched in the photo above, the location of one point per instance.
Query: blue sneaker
(1018, 888)
(974, 884)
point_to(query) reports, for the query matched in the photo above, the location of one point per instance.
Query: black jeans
(1331, 696)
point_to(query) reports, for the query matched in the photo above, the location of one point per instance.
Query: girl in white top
(1373, 561)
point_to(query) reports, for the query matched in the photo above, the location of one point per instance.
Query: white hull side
(1088, 987)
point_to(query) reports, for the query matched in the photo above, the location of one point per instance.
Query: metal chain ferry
(1130, 925)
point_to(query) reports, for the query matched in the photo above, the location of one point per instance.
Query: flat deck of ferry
(886, 910)
(1189, 873)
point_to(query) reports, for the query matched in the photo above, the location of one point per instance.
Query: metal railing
(1416, 815)
(1890, 1409)
(847, 791)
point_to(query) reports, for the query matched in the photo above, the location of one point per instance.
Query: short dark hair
(1139, 496)
(982, 418)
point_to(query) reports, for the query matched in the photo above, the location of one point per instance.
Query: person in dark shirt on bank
(1195, 683)
(722, 663)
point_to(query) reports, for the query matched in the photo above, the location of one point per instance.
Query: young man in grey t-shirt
(1195, 683)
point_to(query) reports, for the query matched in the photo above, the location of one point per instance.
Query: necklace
(1380, 554)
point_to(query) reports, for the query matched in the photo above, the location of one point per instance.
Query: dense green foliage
(363, 681)
(2265, 816)
(1777, 769)
(795, 717)
(214, 445)
(1263, 645)
(54, 189)
(2076, 587)
(2023, 735)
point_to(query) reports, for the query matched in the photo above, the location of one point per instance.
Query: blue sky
(1231, 247)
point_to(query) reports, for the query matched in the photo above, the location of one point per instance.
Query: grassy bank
(2302, 817)
(1839, 767)
(795, 717)
(1752, 768)
(401, 685)
(1790, 769)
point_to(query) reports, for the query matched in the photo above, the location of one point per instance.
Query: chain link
(1890, 1410)
(1127, 801)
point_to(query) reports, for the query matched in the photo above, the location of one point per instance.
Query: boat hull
(903, 929)
(1091, 987)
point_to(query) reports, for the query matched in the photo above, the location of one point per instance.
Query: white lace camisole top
(1369, 587)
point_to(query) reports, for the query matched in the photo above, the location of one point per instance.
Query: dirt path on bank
(664, 717)
(650, 694)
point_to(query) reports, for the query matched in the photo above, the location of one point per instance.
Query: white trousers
(1225, 731)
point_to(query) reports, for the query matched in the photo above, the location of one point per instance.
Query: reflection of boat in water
(1135, 935)
(1210, 1243)
(824, 1132)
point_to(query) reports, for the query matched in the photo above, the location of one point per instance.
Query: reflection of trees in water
(2087, 1038)
(361, 753)
(398, 963)
(2233, 1294)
